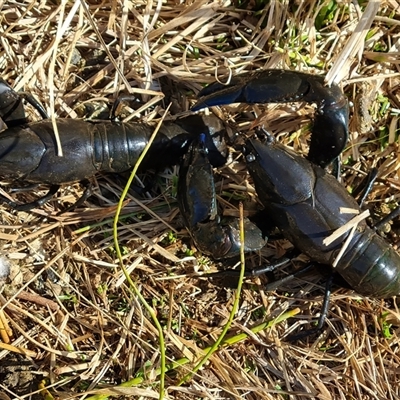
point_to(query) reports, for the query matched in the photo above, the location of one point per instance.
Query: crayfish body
(308, 210)
(301, 199)
(28, 154)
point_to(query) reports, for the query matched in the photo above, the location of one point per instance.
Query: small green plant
(385, 325)
(102, 289)
(69, 298)
(189, 252)
(326, 14)
(171, 238)
(384, 104)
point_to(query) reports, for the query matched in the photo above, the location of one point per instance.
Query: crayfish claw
(214, 236)
(330, 129)
(11, 107)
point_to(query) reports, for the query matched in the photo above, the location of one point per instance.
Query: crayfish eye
(250, 158)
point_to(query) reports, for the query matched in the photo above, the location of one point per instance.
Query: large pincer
(330, 128)
(213, 235)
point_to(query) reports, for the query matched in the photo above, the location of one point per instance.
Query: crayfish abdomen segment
(372, 267)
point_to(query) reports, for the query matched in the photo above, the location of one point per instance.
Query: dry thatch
(74, 321)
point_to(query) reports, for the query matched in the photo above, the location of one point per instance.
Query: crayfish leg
(85, 195)
(35, 104)
(34, 204)
(234, 273)
(52, 191)
(322, 317)
(365, 187)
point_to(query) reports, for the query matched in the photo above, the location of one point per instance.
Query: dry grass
(69, 307)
